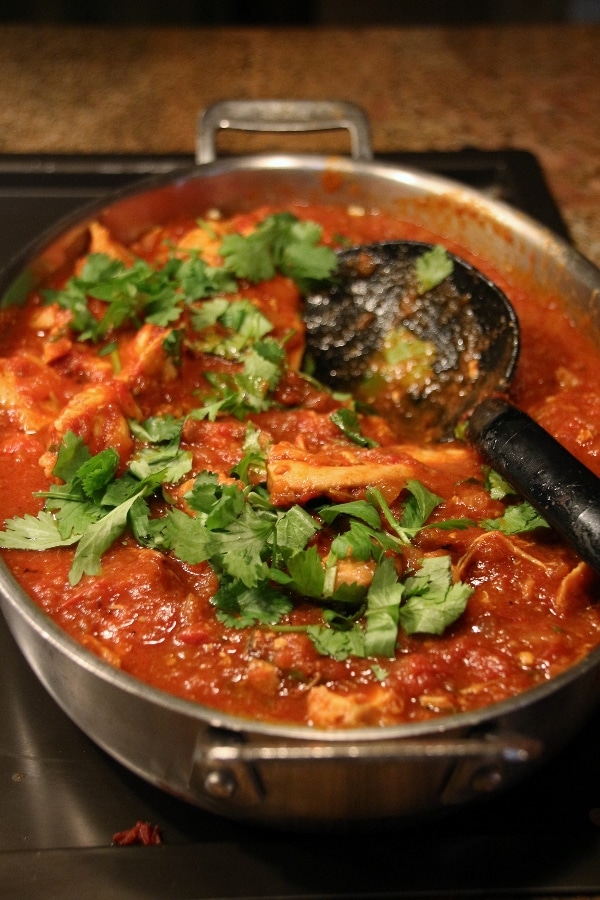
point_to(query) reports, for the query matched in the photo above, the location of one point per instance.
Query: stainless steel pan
(297, 776)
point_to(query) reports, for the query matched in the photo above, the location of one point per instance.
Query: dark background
(297, 12)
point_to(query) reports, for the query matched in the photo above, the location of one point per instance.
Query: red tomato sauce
(533, 611)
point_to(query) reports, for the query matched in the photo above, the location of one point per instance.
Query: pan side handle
(282, 116)
(226, 765)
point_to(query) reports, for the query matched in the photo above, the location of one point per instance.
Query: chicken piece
(575, 589)
(373, 706)
(28, 392)
(50, 319)
(101, 241)
(295, 476)
(206, 243)
(101, 649)
(262, 677)
(54, 350)
(354, 571)
(98, 414)
(145, 359)
(51, 323)
(494, 543)
(282, 306)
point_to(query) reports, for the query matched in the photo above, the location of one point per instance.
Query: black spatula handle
(563, 490)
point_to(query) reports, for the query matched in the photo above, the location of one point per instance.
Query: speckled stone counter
(139, 90)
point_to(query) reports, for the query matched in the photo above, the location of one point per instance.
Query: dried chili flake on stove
(142, 833)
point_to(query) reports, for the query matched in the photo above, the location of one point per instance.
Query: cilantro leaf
(188, 537)
(359, 542)
(239, 550)
(383, 605)
(131, 294)
(149, 532)
(249, 257)
(197, 279)
(157, 429)
(518, 518)
(243, 325)
(97, 538)
(240, 606)
(254, 459)
(433, 267)
(431, 600)
(416, 511)
(239, 393)
(280, 243)
(358, 509)
(307, 572)
(34, 533)
(136, 292)
(227, 506)
(208, 313)
(427, 602)
(96, 473)
(338, 644)
(72, 514)
(204, 493)
(347, 421)
(375, 497)
(72, 453)
(497, 487)
(293, 530)
(419, 506)
(171, 462)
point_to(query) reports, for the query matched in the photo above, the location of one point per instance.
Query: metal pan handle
(510, 748)
(226, 765)
(284, 116)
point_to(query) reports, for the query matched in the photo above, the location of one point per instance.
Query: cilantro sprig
(280, 243)
(433, 267)
(238, 332)
(137, 292)
(346, 419)
(94, 506)
(427, 602)
(238, 393)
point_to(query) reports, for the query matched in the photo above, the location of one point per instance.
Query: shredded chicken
(573, 593)
(328, 709)
(202, 240)
(145, 359)
(26, 392)
(98, 414)
(102, 241)
(295, 476)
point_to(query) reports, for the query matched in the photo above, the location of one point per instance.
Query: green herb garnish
(518, 518)
(433, 267)
(263, 555)
(281, 243)
(347, 421)
(138, 292)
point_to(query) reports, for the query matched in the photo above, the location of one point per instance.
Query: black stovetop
(62, 798)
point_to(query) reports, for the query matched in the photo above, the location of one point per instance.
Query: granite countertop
(76, 89)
